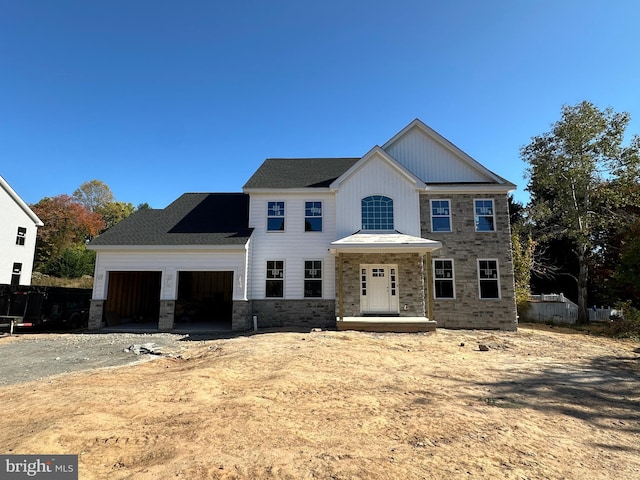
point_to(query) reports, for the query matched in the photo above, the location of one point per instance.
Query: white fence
(556, 308)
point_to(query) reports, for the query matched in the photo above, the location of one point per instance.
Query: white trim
(450, 216)
(16, 198)
(284, 216)
(497, 278)
(435, 136)
(321, 217)
(453, 277)
(493, 215)
(161, 248)
(304, 278)
(284, 276)
(469, 188)
(377, 151)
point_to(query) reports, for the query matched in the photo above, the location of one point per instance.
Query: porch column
(429, 289)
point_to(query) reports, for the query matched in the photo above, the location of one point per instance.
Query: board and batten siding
(294, 245)
(431, 161)
(377, 177)
(170, 262)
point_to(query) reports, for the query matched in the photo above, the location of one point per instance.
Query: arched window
(377, 213)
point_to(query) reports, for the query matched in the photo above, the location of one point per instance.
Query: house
(415, 231)
(18, 229)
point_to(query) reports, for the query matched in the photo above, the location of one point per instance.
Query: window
(443, 278)
(275, 278)
(377, 213)
(488, 279)
(313, 278)
(15, 274)
(22, 234)
(440, 216)
(363, 281)
(312, 216)
(275, 216)
(484, 216)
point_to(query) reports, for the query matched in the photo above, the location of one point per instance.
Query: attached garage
(204, 298)
(132, 297)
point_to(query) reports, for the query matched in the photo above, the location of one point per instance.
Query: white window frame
(321, 216)
(440, 216)
(493, 214)
(436, 278)
(283, 216)
(319, 279)
(390, 207)
(268, 278)
(496, 278)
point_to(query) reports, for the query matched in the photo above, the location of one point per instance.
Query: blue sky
(157, 98)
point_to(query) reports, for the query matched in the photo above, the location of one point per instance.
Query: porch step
(387, 324)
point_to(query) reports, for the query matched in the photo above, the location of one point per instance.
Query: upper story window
(484, 215)
(312, 216)
(377, 213)
(440, 216)
(275, 216)
(22, 234)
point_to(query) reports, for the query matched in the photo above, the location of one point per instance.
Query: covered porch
(383, 282)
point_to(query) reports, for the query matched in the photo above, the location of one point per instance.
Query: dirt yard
(345, 405)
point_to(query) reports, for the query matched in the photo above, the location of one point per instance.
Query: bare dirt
(336, 405)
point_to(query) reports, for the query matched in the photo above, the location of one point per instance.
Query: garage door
(205, 297)
(133, 297)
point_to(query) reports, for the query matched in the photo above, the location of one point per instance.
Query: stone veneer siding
(95, 315)
(410, 282)
(305, 313)
(465, 246)
(241, 319)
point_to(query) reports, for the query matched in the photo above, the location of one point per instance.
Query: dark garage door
(205, 297)
(133, 297)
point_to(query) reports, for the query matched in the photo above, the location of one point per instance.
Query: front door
(379, 289)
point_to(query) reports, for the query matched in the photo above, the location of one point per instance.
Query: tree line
(70, 222)
(580, 232)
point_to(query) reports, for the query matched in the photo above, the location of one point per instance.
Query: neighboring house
(18, 229)
(415, 230)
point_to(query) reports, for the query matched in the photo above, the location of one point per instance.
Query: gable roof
(205, 219)
(14, 196)
(298, 172)
(392, 162)
(432, 142)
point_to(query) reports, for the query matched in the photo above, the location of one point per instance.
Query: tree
(94, 195)
(522, 247)
(73, 262)
(114, 212)
(66, 223)
(571, 173)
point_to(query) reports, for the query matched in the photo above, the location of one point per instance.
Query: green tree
(522, 247)
(94, 195)
(571, 172)
(114, 212)
(73, 262)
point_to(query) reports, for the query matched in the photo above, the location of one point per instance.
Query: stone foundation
(167, 314)
(307, 313)
(95, 315)
(241, 320)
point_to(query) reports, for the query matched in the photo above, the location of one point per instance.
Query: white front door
(379, 289)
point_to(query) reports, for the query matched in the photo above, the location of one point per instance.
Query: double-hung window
(440, 216)
(275, 279)
(15, 274)
(312, 216)
(488, 278)
(21, 236)
(377, 213)
(313, 278)
(275, 216)
(484, 215)
(443, 278)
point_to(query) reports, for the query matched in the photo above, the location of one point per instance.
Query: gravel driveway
(27, 357)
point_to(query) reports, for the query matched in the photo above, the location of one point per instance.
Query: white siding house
(18, 229)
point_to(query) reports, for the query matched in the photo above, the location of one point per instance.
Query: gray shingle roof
(192, 219)
(299, 172)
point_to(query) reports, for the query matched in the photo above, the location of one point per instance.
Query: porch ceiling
(383, 242)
